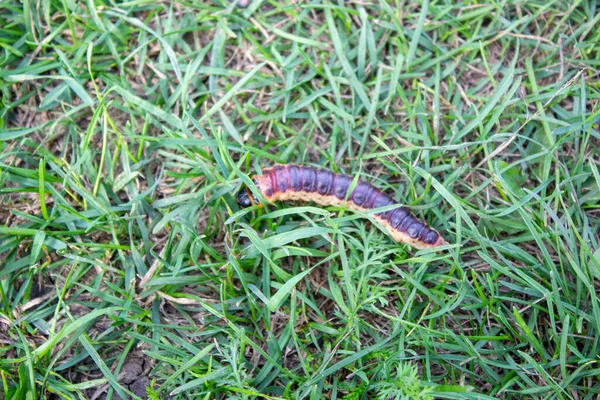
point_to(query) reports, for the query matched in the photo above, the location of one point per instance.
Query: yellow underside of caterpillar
(402, 237)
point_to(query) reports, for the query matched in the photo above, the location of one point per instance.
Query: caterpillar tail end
(440, 242)
(425, 246)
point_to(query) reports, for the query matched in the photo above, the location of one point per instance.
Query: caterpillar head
(245, 197)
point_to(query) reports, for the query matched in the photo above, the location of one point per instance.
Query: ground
(127, 270)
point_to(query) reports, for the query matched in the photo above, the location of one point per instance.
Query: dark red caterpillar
(293, 182)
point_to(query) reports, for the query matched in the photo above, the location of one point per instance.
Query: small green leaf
(285, 290)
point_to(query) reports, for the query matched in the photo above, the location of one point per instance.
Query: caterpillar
(298, 182)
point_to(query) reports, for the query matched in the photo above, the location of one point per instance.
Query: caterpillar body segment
(304, 183)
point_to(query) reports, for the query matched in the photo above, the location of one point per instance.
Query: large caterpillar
(298, 182)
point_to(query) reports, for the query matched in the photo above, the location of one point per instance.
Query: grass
(127, 269)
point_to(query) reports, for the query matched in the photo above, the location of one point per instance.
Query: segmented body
(293, 182)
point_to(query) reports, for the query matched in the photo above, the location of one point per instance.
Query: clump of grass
(127, 270)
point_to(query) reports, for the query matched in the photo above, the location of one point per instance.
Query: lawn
(127, 269)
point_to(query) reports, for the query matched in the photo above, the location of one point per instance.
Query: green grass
(126, 129)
